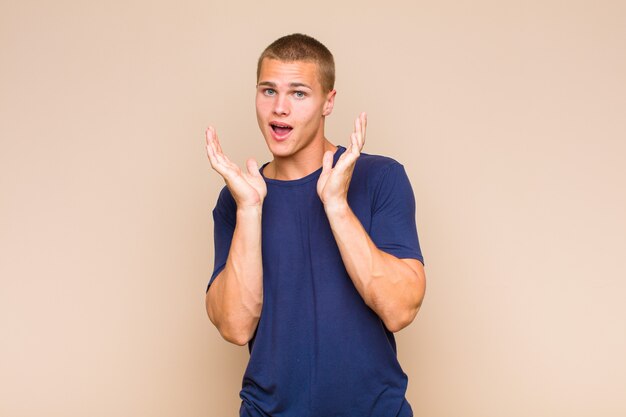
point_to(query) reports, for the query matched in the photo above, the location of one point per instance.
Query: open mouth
(281, 129)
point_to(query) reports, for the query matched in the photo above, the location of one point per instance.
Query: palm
(247, 188)
(333, 184)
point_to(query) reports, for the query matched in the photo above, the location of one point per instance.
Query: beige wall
(509, 117)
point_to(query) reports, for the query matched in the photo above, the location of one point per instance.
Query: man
(317, 259)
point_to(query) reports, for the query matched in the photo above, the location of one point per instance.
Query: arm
(235, 298)
(393, 288)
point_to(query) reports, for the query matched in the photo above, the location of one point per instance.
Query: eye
(299, 94)
(269, 91)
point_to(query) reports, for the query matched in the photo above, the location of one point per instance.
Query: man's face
(291, 105)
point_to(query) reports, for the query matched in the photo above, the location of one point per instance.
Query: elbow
(234, 331)
(401, 320)
(237, 338)
(398, 319)
(237, 332)
(234, 328)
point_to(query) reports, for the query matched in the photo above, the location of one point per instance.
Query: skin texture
(289, 93)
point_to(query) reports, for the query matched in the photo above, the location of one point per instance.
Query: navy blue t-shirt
(319, 350)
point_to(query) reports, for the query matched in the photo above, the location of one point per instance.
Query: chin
(280, 151)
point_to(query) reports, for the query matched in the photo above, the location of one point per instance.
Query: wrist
(336, 208)
(250, 210)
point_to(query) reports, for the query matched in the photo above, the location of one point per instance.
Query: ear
(330, 102)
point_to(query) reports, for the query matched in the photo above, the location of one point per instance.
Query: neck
(300, 164)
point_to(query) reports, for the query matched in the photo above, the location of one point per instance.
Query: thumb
(253, 167)
(327, 162)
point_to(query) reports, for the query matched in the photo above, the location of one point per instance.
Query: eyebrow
(292, 85)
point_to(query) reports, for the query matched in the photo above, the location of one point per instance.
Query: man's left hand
(333, 184)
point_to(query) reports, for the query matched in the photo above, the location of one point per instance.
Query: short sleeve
(393, 227)
(224, 219)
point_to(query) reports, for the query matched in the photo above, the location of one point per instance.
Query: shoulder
(372, 169)
(375, 162)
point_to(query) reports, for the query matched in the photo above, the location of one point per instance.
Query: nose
(281, 105)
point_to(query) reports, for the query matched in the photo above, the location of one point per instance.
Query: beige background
(510, 120)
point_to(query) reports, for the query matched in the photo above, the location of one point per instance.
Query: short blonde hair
(300, 47)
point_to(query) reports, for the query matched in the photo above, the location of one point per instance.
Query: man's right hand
(248, 188)
(235, 299)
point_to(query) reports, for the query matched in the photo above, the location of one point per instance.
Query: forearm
(235, 298)
(388, 285)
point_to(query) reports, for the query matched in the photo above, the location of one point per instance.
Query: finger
(218, 146)
(253, 167)
(223, 159)
(210, 140)
(356, 145)
(346, 154)
(349, 156)
(210, 147)
(363, 125)
(362, 128)
(327, 162)
(219, 161)
(209, 135)
(351, 145)
(358, 130)
(359, 137)
(360, 141)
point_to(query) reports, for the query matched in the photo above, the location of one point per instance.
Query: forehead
(285, 72)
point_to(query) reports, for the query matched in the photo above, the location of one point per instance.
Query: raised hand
(332, 186)
(248, 188)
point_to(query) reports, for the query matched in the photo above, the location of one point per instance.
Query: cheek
(262, 104)
(261, 113)
(309, 112)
